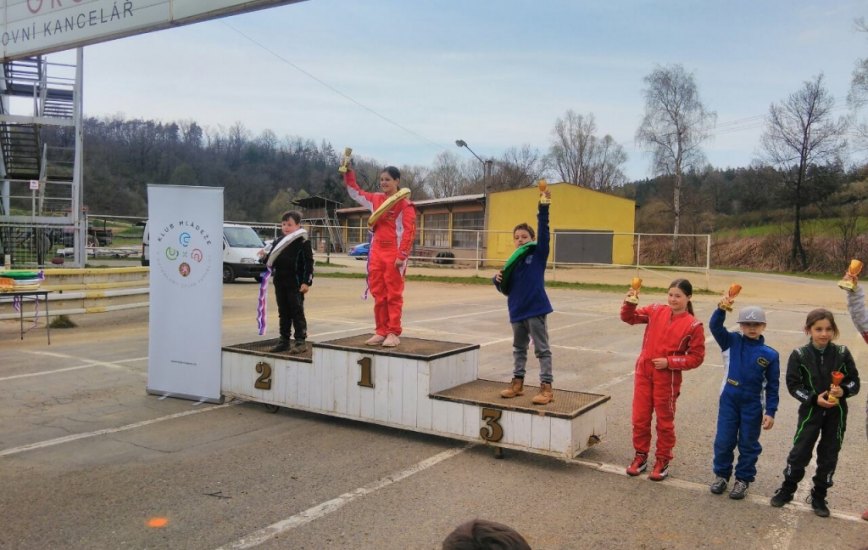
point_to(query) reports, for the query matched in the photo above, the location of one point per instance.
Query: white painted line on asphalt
(703, 488)
(43, 373)
(320, 510)
(94, 362)
(75, 437)
(88, 363)
(449, 317)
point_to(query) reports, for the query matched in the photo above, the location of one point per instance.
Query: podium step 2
(261, 347)
(566, 404)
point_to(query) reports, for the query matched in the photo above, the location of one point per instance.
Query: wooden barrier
(423, 385)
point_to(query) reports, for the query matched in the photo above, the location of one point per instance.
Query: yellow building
(586, 226)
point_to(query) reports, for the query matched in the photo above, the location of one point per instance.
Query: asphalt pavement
(88, 459)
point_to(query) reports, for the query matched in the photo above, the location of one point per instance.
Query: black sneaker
(781, 497)
(298, 347)
(739, 490)
(718, 486)
(819, 505)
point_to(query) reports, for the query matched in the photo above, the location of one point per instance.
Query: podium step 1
(411, 348)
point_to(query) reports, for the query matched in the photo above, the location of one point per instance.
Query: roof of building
(424, 202)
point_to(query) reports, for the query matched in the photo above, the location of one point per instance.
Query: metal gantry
(41, 210)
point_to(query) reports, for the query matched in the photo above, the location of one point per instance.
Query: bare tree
(800, 133)
(609, 156)
(570, 152)
(858, 96)
(519, 167)
(579, 156)
(674, 127)
(414, 178)
(446, 178)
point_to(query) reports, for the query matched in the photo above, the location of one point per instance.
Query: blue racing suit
(751, 368)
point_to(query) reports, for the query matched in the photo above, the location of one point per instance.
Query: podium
(422, 385)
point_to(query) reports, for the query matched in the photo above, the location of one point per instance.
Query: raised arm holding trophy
(728, 298)
(633, 293)
(851, 277)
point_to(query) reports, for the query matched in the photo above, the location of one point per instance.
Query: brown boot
(545, 395)
(516, 388)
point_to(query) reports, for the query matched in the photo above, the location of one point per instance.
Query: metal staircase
(40, 144)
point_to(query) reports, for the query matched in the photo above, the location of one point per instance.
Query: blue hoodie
(527, 296)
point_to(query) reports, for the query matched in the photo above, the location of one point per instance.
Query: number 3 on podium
(492, 431)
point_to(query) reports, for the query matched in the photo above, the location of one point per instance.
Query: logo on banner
(180, 252)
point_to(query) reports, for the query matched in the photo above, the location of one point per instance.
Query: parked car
(360, 251)
(241, 245)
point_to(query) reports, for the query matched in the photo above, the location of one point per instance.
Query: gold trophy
(848, 283)
(635, 285)
(726, 303)
(345, 161)
(543, 186)
(837, 378)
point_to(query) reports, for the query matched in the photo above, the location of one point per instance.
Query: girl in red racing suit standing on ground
(391, 242)
(674, 341)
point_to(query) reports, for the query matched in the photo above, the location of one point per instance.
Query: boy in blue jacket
(523, 282)
(751, 369)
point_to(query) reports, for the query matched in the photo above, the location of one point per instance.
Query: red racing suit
(392, 238)
(681, 340)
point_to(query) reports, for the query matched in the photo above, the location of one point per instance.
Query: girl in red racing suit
(674, 341)
(392, 239)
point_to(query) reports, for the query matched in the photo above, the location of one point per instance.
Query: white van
(241, 246)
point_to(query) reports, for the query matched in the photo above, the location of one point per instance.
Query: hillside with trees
(800, 205)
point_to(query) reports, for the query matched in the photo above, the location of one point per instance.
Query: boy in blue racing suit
(751, 368)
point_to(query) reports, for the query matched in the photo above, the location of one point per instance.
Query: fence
(635, 250)
(473, 248)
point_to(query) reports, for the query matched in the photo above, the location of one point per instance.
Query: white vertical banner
(185, 330)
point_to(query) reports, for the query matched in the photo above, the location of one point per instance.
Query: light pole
(486, 164)
(486, 173)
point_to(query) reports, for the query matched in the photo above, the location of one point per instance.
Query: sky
(401, 80)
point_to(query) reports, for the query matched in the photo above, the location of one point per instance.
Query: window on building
(465, 227)
(437, 230)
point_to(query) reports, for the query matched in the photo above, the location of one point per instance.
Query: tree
(608, 158)
(858, 96)
(674, 127)
(446, 178)
(580, 157)
(800, 134)
(519, 167)
(570, 151)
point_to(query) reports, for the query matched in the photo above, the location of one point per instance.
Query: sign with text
(33, 27)
(185, 226)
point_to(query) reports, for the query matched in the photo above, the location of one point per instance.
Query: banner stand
(185, 226)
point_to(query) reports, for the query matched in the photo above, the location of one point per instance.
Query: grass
(819, 227)
(475, 280)
(62, 321)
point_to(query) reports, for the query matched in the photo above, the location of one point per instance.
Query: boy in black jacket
(291, 261)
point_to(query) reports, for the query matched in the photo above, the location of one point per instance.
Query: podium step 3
(411, 348)
(261, 347)
(566, 404)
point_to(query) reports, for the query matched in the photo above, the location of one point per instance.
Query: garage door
(582, 246)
